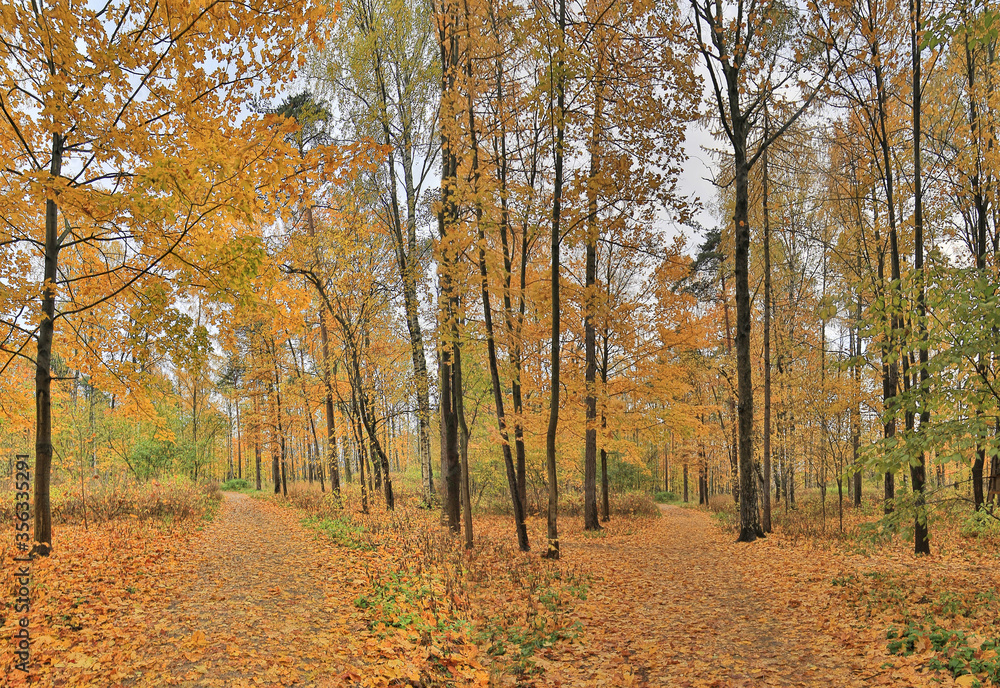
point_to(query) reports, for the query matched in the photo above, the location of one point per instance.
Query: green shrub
(664, 497)
(236, 484)
(981, 524)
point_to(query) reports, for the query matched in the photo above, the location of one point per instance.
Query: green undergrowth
(953, 625)
(511, 613)
(238, 485)
(959, 653)
(422, 584)
(341, 529)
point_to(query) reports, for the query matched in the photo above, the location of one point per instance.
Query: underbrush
(109, 499)
(423, 584)
(958, 653)
(937, 613)
(312, 500)
(341, 529)
(949, 621)
(627, 504)
(237, 485)
(504, 602)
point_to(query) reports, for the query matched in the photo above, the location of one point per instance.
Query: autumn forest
(500, 343)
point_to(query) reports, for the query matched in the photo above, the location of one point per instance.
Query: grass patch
(237, 485)
(341, 529)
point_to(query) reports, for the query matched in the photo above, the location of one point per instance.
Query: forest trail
(675, 603)
(261, 604)
(682, 605)
(257, 599)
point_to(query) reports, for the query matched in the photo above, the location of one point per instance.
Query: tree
(741, 86)
(148, 161)
(558, 118)
(381, 70)
(921, 542)
(448, 23)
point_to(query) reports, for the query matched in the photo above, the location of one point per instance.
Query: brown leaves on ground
(392, 600)
(681, 604)
(85, 596)
(255, 599)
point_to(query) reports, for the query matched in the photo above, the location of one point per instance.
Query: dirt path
(262, 605)
(681, 605)
(677, 603)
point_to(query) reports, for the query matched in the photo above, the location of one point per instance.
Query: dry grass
(109, 499)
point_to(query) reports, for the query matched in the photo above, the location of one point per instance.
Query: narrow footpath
(264, 602)
(682, 605)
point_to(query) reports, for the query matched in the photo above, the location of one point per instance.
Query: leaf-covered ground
(682, 605)
(259, 598)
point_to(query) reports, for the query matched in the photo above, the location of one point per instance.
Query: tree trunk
(491, 350)
(331, 428)
(447, 224)
(766, 489)
(890, 353)
(590, 516)
(921, 539)
(667, 451)
(257, 438)
(856, 407)
(379, 460)
(512, 478)
(980, 205)
(463, 453)
(406, 249)
(281, 431)
(359, 447)
(43, 368)
(276, 468)
(239, 443)
(345, 438)
(605, 502)
(750, 528)
(550, 436)
(730, 401)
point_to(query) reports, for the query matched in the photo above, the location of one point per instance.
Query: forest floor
(684, 606)
(258, 598)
